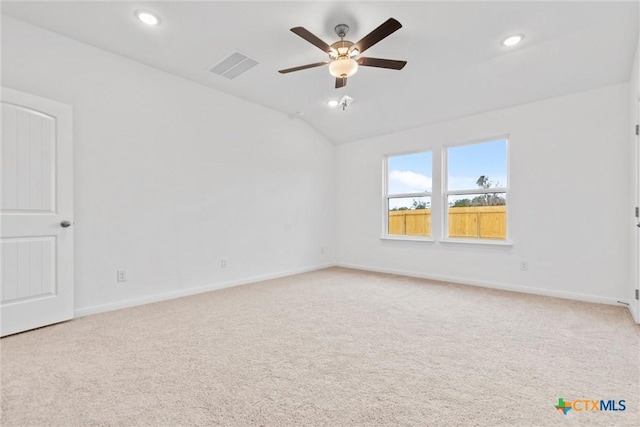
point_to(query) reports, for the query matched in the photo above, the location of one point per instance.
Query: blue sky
(412, 173)
(468, 162)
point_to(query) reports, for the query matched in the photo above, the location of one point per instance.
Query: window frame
(386, 197)
(445, 192)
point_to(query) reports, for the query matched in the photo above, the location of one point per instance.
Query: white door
(35, 208)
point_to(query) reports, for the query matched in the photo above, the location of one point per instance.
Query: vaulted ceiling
(456, 63)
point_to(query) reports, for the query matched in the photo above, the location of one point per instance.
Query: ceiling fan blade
(308, 36)
(341, 82)
(388, 27)
(382, 63)
(302, 67)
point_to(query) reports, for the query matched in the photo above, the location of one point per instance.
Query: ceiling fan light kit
(344, 57)
(343, 67)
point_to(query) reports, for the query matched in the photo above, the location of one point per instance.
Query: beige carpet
(333, 347)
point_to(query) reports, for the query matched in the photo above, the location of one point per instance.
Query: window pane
(477, 166)
(410, 173)
(410, 216)
(478, 216)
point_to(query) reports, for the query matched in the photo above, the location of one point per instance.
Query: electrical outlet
(524, 265)
(224, 263)
(122, 275)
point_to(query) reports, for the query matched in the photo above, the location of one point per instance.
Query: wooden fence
(478, 222)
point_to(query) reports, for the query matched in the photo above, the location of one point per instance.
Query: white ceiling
(456, 65)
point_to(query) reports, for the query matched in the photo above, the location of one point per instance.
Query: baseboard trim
(193, 291)
(634, 312)
(87, 311)
(487, 284)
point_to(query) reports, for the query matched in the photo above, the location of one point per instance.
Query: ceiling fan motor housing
(342, 30)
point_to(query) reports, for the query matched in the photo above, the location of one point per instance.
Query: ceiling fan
(344, 56)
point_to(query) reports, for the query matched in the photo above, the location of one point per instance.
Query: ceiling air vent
(234, 64)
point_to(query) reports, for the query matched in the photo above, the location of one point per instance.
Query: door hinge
(637, 292)
(637, 212)
(637, 129)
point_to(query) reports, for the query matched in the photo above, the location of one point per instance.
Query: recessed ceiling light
(332, 103)
(147, 17)
(513, 40)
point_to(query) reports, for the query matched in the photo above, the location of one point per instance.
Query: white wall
(170, 176)
(568, 205)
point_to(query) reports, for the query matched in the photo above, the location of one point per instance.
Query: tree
(488, 199)
(462, 203)
(483, 182)
(419, 204)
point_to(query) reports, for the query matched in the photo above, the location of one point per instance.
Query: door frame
(634, 303)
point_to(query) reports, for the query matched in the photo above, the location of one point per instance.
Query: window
(476, 191)
(470, 195)
(408, 195)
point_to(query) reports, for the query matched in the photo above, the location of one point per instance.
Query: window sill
(496, 243)
(400, 238)
(499, 243)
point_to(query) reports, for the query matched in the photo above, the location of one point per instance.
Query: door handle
(65, 224)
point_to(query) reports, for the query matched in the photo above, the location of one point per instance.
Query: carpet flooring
(334, 347)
